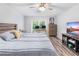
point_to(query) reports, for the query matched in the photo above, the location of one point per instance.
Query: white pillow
(7, 36)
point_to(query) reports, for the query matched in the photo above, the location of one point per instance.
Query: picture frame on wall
(51, 20)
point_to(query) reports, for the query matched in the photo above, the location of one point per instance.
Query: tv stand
(71, 41)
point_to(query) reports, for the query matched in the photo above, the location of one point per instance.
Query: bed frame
(7, 27)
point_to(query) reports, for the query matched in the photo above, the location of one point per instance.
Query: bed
(30, 44)
(41, 37)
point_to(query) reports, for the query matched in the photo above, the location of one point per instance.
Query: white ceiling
(57, 8)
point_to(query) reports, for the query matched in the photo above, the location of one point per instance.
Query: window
(38, 24)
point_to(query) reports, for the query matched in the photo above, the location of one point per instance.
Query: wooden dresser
(52, 29)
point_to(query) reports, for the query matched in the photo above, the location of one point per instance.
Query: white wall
(29, 19)
(27, 23)
(68, 16)
(10, 15)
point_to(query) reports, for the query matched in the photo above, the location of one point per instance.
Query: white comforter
(25, 45)
(33, 37)
(36, 35)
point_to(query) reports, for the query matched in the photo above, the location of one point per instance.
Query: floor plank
(61, 49)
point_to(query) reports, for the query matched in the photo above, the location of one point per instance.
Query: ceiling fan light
(41, 8)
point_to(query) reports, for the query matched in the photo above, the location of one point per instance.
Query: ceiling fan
(42, 6)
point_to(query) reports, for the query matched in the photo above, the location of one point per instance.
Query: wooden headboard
(7, 27)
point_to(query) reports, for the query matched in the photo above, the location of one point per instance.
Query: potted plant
(42, 25)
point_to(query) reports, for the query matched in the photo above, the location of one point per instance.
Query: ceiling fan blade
(50, 8)
(31, 7)
(54, 6)
(20, 4)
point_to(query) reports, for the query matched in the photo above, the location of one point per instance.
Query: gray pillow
(1, 40)
(7, 36)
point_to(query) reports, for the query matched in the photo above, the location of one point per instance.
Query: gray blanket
(21, 52)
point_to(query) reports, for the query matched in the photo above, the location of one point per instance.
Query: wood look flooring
(62, 50)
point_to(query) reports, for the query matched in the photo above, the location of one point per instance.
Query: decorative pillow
(17, 33)
(7, 36)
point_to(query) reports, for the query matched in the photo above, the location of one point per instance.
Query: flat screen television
(73, 28)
